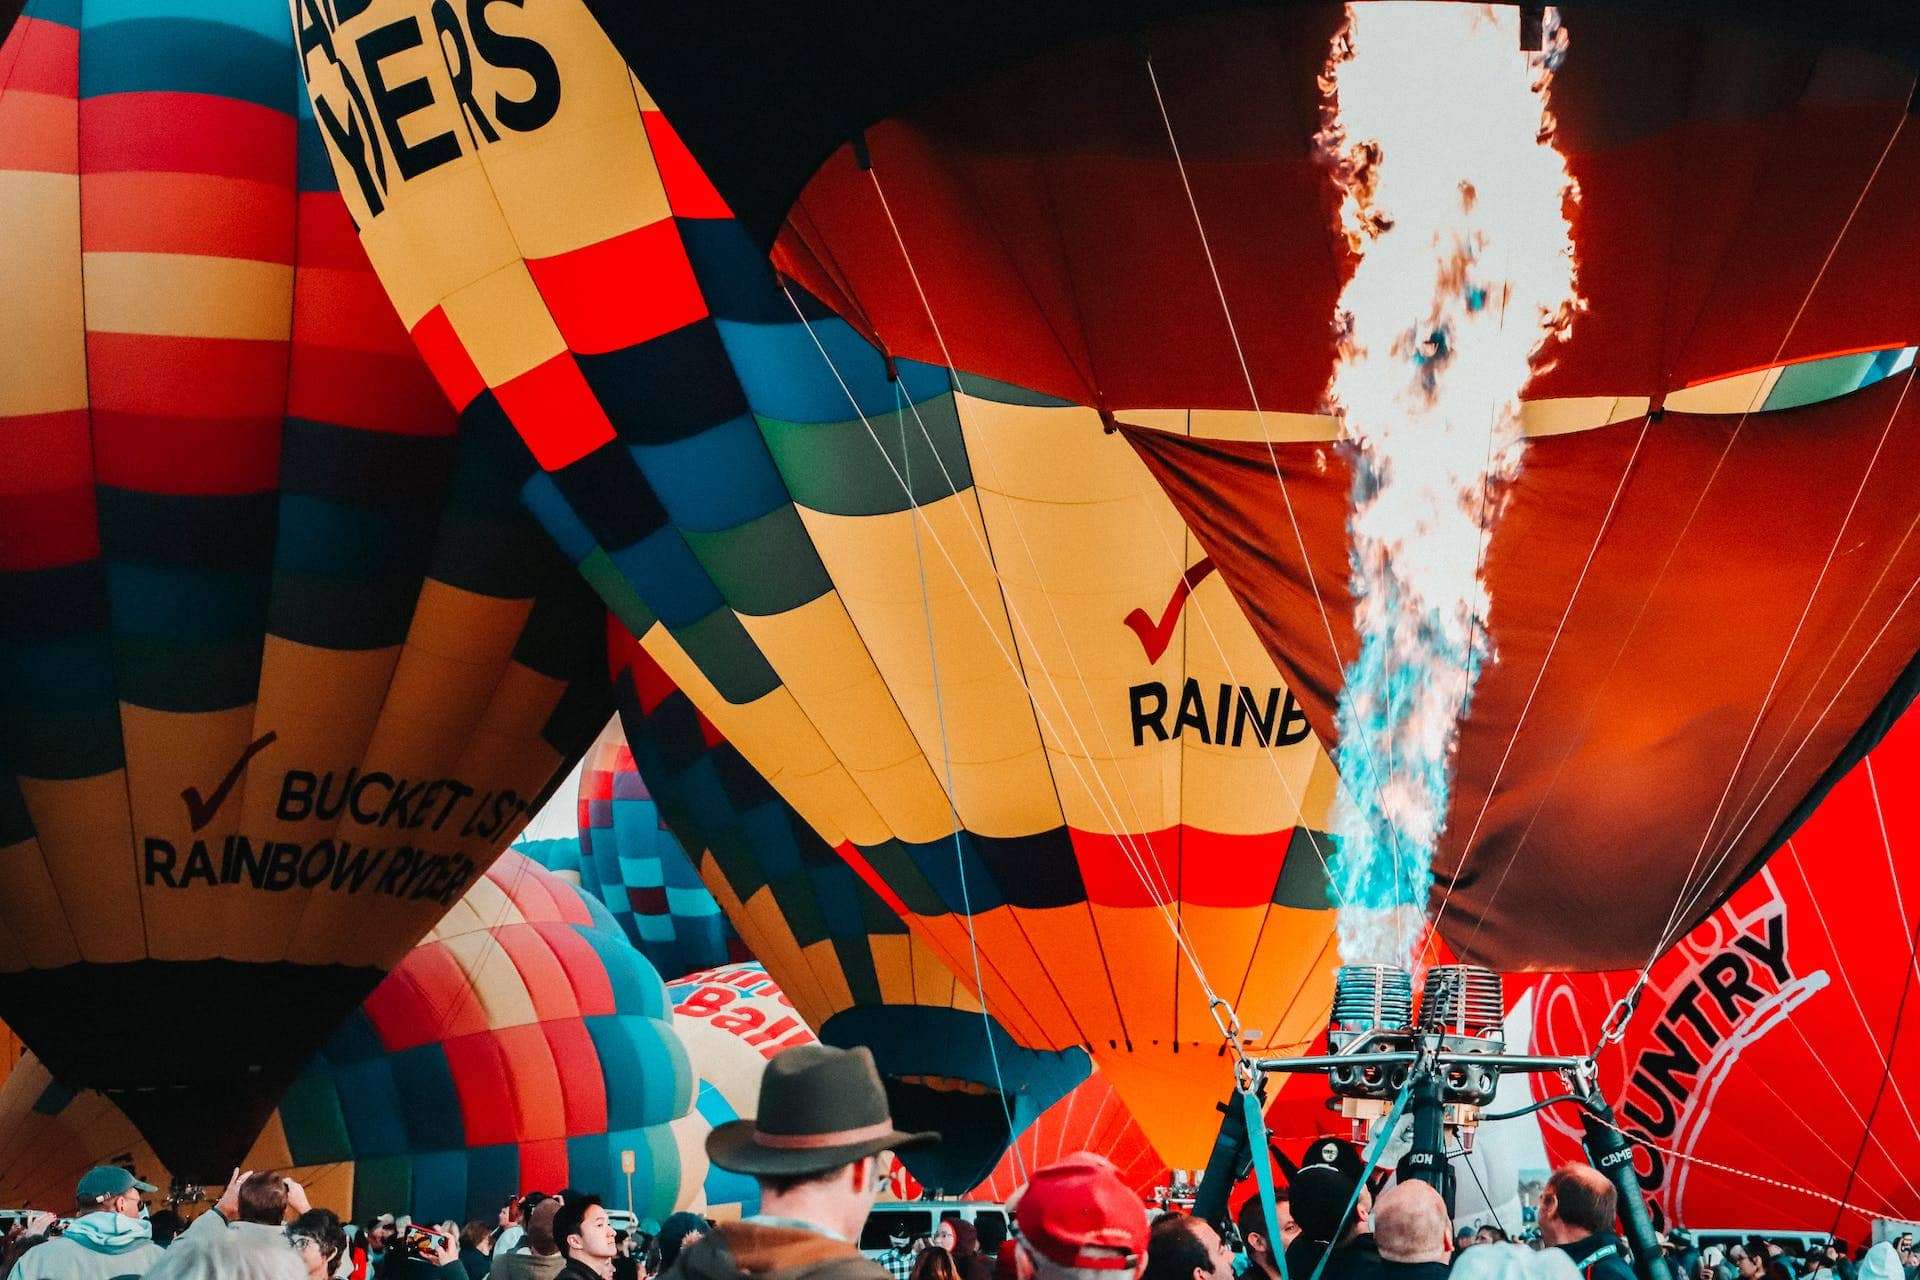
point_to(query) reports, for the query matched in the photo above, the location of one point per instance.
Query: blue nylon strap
(1384, 1131)
(1263, 1175)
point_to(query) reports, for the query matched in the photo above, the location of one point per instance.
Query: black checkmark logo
(200, 812)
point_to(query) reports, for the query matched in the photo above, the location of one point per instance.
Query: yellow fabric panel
(1580, 413)
(823, 962)
(1221, 939)
(1171, 1094)
(269, 1150)
(690, 1141)
(1289, 984)
(328, 1186)
(323, 705)
(83, 844)
(175, 751)
(504, 324)
(980, 713)
(784, 959)
(43, 1156)
(189, 296)
(834, 684)
(589, 175)
(43, 363)
(893, 967)
(496, 982)
(456, 648)
(506, 748)
(776, 738)
(444, 229)
(34, 933)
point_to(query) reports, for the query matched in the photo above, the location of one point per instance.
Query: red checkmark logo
(200, 812)
(1155, 636)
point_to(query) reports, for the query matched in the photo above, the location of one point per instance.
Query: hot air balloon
(842, 959)
(1769, 1053)
(733, 1020)
(523, 1043)
(641, 872)
(285, 661)
(961, 632)
(1130, 209)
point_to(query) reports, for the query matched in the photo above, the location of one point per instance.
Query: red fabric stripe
(187, 133)
(596, 784)
(201, 377)
(327, 234)
(45, 451)
(41, 57)
(484, 1085)
(139, 212)
(346, 307)
(583, 1084)
(622, 291)
(45, 530)
(543, 1163)
(441, 348)
(428, 997)
(539, 970)
(367, 390)
(712, 736)
(39, 133)
(1230, 871)
(555, 412)
(535, 1079)
(162, 453)
(689, 193)
(592, 989)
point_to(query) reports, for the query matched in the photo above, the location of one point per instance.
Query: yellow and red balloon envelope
(283, 660)
(960, 631)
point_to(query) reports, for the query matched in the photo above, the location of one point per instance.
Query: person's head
(263, 1199)
(1319, 1199)
(676, 1233)
(476, 1235)
(1882, 1262)
(1252, 1224)
(1748, 1264)
(944, 1236)
(1410, 1224)
(166, 1224)
(1076, 1220)
(1578, 1202)
(108, 1188)
(540, 1233)
(583, 1230)
(1489, 1234)
(380, 1233)
(528, 1202)
(318, 1238)
(934, 1263)
(899, 1238)
(1181, 1247)
(1463, 1239)
(814, 1144)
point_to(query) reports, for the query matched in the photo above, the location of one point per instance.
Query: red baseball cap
(1078, 1213)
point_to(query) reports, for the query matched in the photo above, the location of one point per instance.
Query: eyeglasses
(300, 1240)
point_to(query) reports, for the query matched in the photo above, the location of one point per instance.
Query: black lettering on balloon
(393, 103)
(1193, 711)
(199, 863)
(519, 54)
(160, 859)
(369, 816)
(296, 796)
(459, 60)
(283, 867)
(1727, 979)
(1149, 711)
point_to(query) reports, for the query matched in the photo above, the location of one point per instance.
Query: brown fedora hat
(820, 1108)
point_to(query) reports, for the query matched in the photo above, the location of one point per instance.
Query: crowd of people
(815, 1150)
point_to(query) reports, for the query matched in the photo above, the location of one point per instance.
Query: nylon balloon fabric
(1767, 1072)
(640, 870)
(524, 1044)
(1131, 210)
(841, 958)
(285, 659)
(960, 632)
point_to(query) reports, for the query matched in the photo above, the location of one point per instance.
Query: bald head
(1410, 1224)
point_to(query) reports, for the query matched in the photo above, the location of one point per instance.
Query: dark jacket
(966, 1253)
(1597, 1257)
(734, 1250)
(1346, 1262)
(577, 1270)
(1374, 1267)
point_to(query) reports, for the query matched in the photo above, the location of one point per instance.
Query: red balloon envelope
(1770, 1066)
